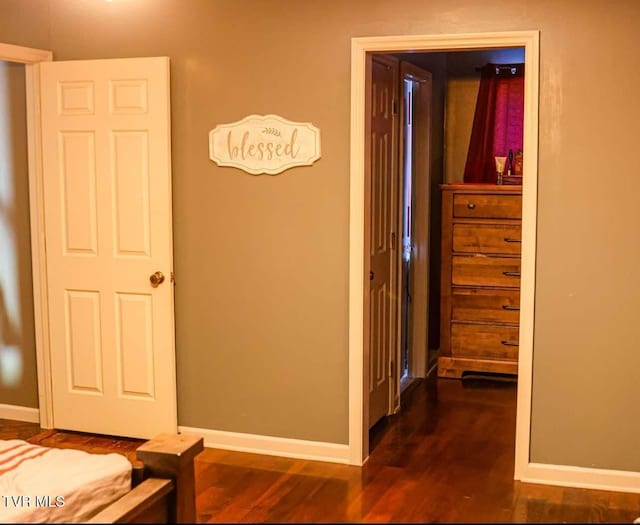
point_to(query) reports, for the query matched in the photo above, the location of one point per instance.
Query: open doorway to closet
(63, 164)
(18, 382)
(361, 349)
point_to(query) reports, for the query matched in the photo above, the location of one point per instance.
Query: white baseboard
(272, 446)
(18, 413)
(582, 477)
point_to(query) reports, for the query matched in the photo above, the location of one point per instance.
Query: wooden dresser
(480, 287)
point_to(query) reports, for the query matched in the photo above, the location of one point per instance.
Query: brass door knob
(156, 279)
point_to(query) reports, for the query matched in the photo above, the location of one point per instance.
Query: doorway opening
(435, 101)
(30, 58)
(130, 306)
(363, 348)
(18, 388)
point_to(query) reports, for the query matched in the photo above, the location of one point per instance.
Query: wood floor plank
(10, 429)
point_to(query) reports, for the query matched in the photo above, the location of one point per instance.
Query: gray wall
(18, 384)
(262, 262)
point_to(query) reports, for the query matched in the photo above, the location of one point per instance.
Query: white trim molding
(360, 47)
(38, 249)
(24, 55)
(271, 445)
(582, 477)
(19, 413)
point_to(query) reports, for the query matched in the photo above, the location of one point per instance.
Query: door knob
(156, 279)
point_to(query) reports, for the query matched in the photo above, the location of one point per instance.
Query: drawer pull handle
(511, 274)
(471, 205)
(509, 343)
(510, 308)
(509, 239)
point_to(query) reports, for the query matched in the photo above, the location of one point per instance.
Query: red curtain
(498, 120)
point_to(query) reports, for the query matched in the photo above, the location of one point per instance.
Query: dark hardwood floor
(446, 457)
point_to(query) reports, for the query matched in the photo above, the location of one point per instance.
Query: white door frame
(358, 355)
(31, 58)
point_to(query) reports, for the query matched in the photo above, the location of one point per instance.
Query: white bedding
(40, 484)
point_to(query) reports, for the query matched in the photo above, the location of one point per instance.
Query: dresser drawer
(487, 206)
(487, 238)
(489, 306)
(468, 270)
(490, 342)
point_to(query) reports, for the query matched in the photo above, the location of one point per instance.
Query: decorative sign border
(264, 144)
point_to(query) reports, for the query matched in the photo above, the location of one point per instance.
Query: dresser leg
(454, 367)
(448, 367)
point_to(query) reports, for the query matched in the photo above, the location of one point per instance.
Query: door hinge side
(173, 277)
(392, 368)
(393, 240)
(394, 107)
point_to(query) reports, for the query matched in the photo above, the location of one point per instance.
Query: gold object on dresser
(480, 291)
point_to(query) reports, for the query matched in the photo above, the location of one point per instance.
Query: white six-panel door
(107, 193)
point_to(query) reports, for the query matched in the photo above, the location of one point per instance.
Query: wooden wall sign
(264, 144)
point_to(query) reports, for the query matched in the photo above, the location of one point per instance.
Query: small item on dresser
(509, 166)
(500, 168)
(517, 166)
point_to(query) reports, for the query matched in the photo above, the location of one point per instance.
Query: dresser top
(478, 187)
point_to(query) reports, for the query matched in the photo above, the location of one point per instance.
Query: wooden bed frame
(163, 489)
